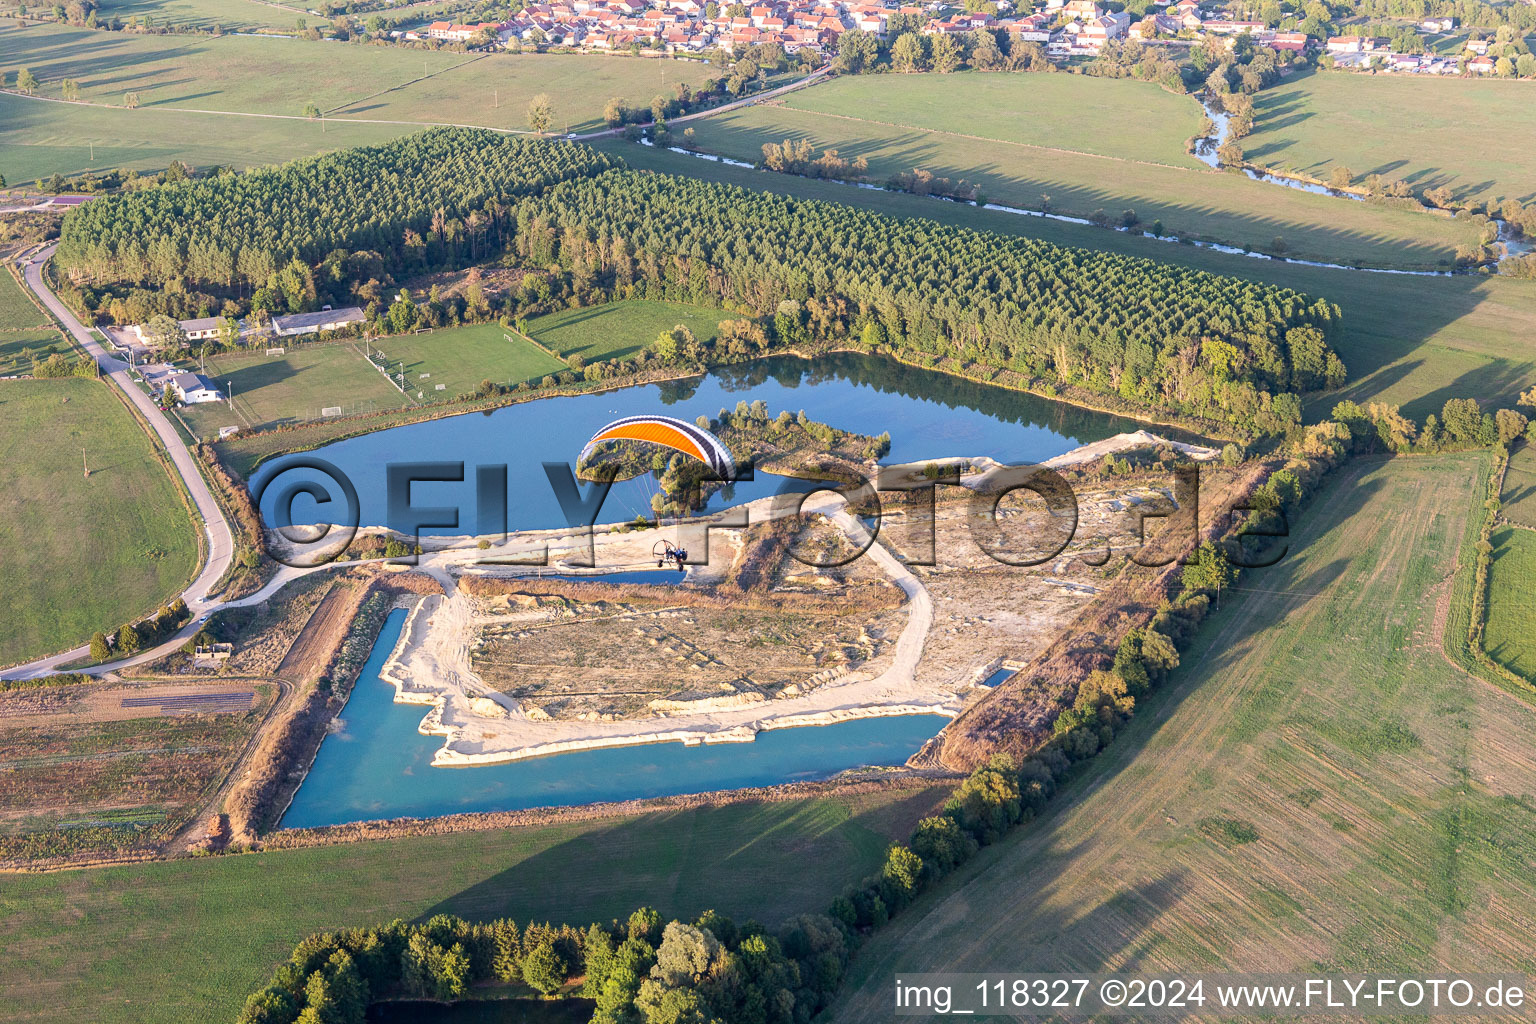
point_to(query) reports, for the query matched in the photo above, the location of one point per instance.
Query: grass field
(494, 91)
(81, 554)
(268, 75)
(292, 387)
(1386, 793)
(187, 940)
(1410, 341)
(1111, 117)
(16, 308)
(621, 329)
(1430, 133)
(1519, 496)
(459, 358)
(231, 15)
(1510, 638)
(18, 349)
(38, 140)
(1087, 144)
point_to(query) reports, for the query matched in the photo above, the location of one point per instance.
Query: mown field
(18, 349)
(82, 554)
(1319, 788)
(459, 358)
(298, 385)
(1077, 145)
(620, 329)
(1410, 341)
(16, 309)
(188, 940)
(1111, 117)
(38, 140)
(1519, 496)
(231, 15)
(1463, 134)
(269, 75)
(1510, 636)
(493, 92)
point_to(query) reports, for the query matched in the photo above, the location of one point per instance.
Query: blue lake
(928, 415)
(378, 766)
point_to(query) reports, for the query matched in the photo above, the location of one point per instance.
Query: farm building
(314, 323)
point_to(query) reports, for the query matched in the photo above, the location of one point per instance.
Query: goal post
(277, 350)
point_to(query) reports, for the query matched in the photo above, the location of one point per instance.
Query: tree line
(399, 202)
(1149, 332)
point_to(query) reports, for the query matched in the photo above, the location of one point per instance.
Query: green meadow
(294, 387)
(620, 329)
(1510, 636)
(82, 553)
(176, 941)
(460, 358)
(1472, 136)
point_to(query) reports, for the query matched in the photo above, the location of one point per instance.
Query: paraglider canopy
(679, 435)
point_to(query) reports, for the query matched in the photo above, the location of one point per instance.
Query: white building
(314, 323)
(193, 389)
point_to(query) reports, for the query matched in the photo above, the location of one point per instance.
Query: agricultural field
(620, 329)
(1462, 134)
(25, 333)
(1510, 637)
(39, 140)
(214, 928)
(1120, 118)
(493, 91)
(17, 310)
(1519, 496)
(1319, 788)
(1409, 341)
(296, 386)
(281, 76)
(1039, 152)
(82, 553)
(459, 358)
(230, 15)
(105, 769)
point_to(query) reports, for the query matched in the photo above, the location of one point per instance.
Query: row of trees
(133, 637)
(1150, 332)
(236, 231)
(1462, 423)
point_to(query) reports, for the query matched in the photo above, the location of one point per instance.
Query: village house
(201, 329)
(192, 389)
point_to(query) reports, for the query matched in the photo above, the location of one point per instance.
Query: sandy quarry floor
(961, 620)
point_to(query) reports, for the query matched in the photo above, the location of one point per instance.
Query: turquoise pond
(928, 415)
(378, 766)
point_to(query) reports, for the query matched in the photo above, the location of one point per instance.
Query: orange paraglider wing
(679, 435)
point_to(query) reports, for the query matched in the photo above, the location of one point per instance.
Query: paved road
(220, 541)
